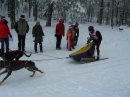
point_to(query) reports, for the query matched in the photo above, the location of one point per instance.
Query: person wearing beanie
(22, 16)
(38, 35)
(96, 36)
(22, 28)
(2, 17)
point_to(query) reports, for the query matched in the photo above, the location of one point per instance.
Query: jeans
(4, 41)
(21, 42)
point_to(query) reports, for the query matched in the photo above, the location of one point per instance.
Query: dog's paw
(1, 82)
(31, 75)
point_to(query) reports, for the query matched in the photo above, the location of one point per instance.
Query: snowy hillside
(64, 77)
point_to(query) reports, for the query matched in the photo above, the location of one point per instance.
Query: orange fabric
(70, 38)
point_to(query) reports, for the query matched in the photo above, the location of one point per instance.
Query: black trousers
(75, 40)
(6, 42)
(97, 47)
(40, 45)
(21, 42)
(58, 41)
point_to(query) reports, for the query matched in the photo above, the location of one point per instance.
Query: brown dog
(12, 55)
(29, 65)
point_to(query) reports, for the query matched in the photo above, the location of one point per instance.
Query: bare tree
(12, 12)
(49, 14)
(101, 12)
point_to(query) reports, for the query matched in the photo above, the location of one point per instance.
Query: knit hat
(76, 23)
(2, 17)
(37, 21)
(90, 28)
(22, 16)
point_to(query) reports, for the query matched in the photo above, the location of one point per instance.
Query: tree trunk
(29, 8)
(12, 13)
(50, 10)
(35, 11)
(101, 12)
(112, 15)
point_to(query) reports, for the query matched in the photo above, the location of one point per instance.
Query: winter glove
(33, 39)
(10, 35)
(88, 41)
(55, 35)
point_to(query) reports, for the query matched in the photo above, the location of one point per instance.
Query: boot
(35, 47)
(98, 56)
(40, 45)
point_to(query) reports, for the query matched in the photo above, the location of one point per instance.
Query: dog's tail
(27, 55)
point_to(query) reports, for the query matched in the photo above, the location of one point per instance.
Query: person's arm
(27, 29)
(99, 35)
(78, 32)
(64, 30)
(33, 32)
(42, 32)
(8, 31)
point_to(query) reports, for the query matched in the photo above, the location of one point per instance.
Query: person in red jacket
(4, 34)
(96, 36)
(60, 29)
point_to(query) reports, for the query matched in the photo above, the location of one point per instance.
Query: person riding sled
(96, 36)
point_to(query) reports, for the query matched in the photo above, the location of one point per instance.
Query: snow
(64, 77)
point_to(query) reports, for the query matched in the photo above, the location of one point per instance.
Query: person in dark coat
(76, 31)
(22, 28)
(96, 36)
(38, 36)
(4, 34)
(60, 31)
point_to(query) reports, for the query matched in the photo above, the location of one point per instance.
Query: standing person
(96, 36)
(70, 38)
(60, 29)
(38, 35)
(22, 28)
(4, 34)
(76, 30)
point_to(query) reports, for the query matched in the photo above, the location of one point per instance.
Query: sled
(86, 53)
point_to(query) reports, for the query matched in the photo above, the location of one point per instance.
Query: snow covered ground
(66, 78)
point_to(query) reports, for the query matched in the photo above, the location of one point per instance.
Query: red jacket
(4, 30)
(60, 29)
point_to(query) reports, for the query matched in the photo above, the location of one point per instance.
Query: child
(38, 36)
(70, 38)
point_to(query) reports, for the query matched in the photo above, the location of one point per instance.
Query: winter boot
(35, 47)
(98, 56)
(41, 47)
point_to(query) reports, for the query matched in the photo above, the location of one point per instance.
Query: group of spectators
(21, 27)
(72, 35)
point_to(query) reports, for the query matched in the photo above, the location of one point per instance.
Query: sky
(63, 77)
